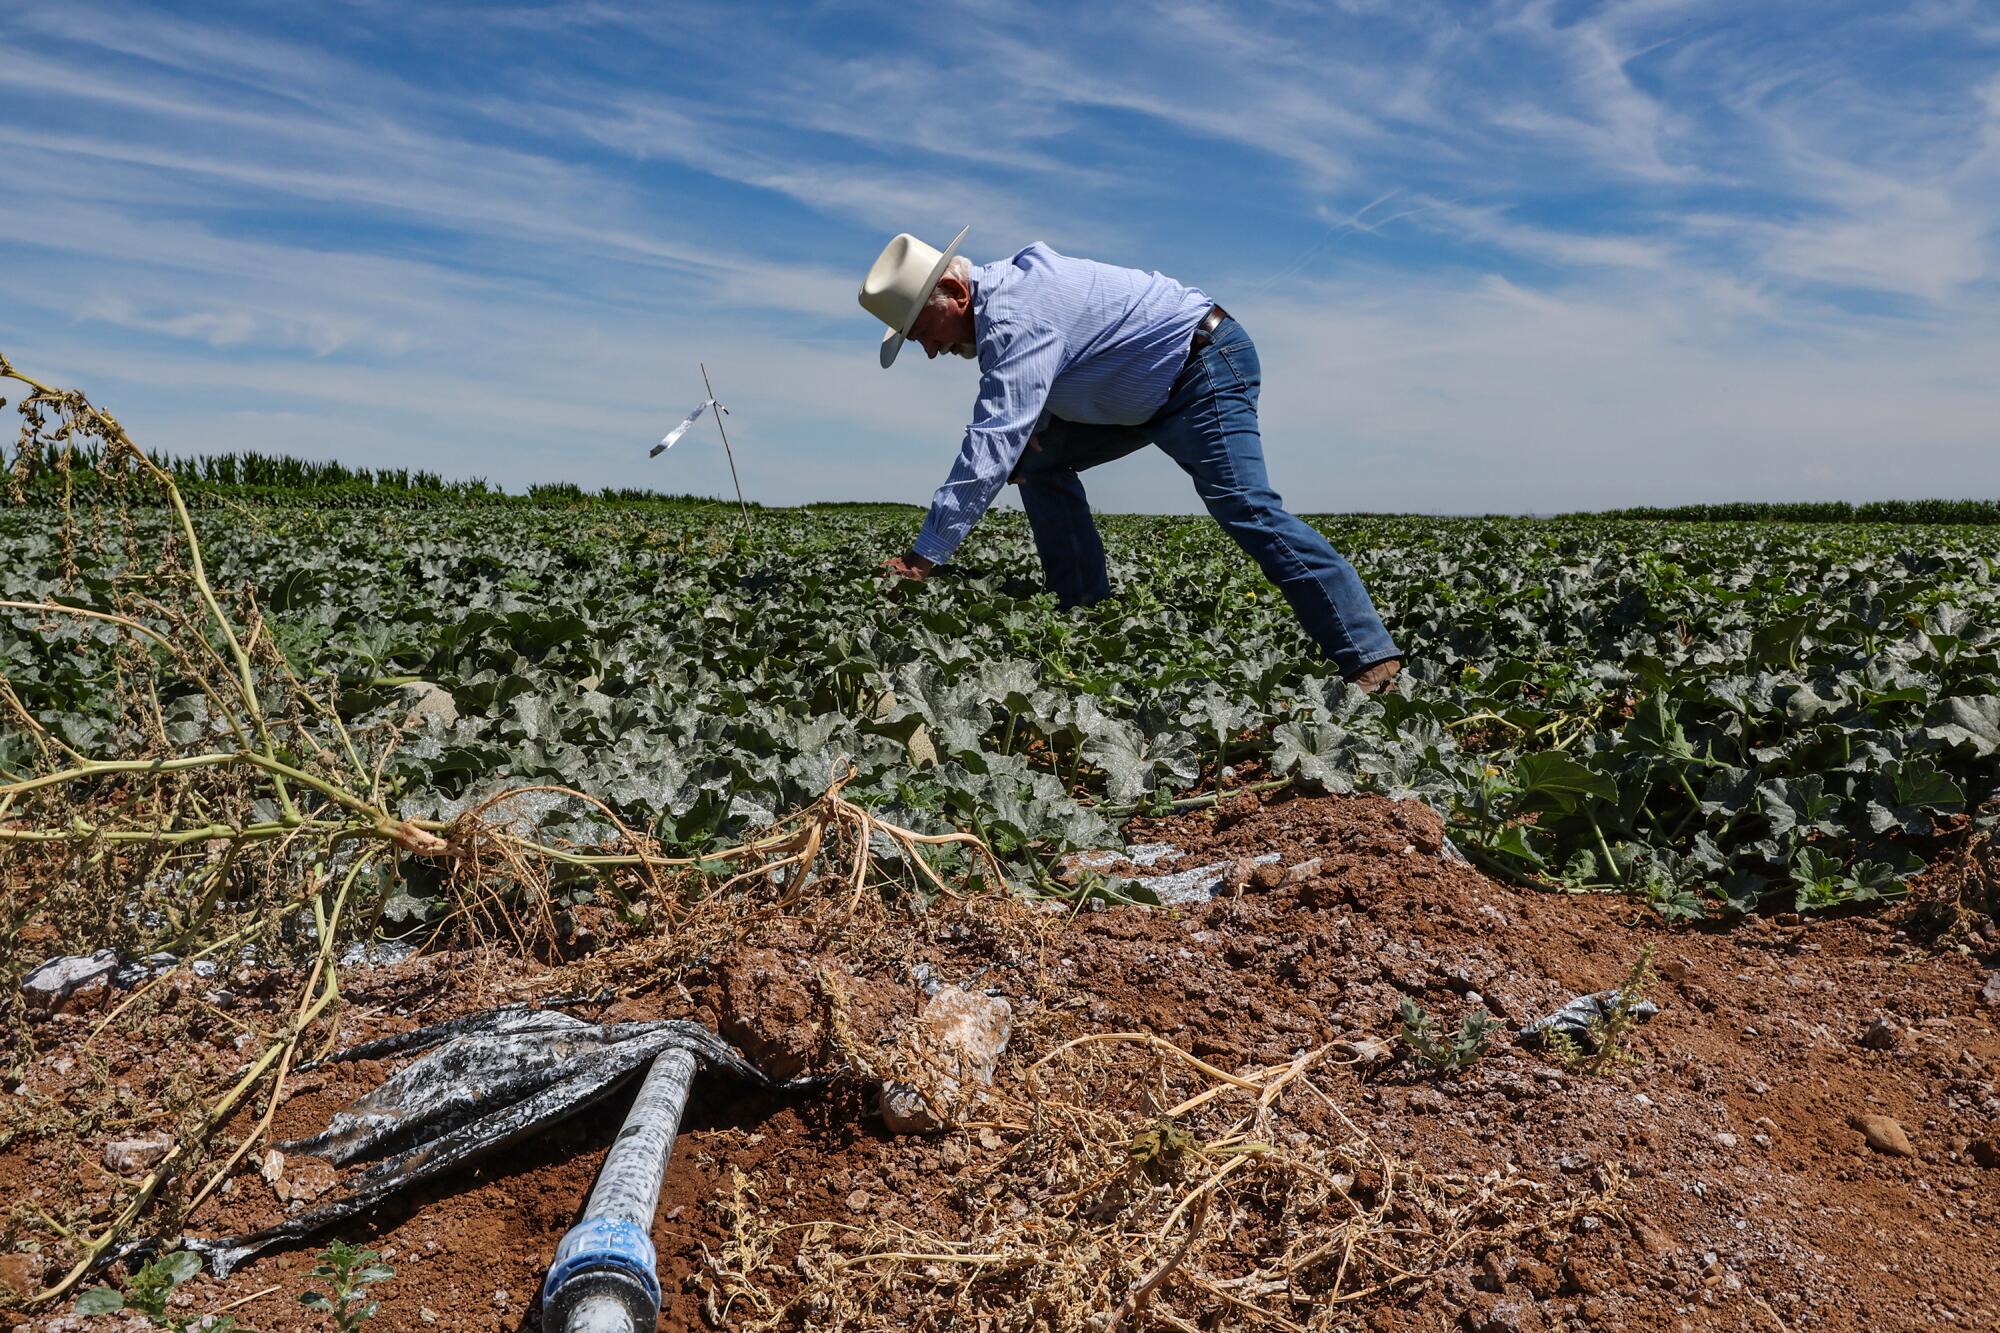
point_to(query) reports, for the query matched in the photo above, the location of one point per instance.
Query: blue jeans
(1209, 427)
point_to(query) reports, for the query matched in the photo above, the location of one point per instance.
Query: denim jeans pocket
(1240, 357)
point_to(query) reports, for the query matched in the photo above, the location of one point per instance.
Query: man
(1081, 363)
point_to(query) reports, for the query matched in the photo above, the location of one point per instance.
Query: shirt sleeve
(1012, 392)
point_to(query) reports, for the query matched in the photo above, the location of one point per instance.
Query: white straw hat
(901, 280)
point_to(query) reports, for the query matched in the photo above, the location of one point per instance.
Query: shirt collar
(987, 280)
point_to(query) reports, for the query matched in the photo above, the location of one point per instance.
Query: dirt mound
(1722, 1178)
(793, 1013)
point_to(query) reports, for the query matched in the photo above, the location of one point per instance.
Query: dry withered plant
(1128, 1184)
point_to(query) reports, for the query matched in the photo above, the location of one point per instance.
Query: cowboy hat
(901, 280)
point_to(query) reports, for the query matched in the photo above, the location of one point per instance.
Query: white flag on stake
(672, 437)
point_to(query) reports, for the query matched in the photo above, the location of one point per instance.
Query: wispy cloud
(1493, 226)
(1520, 255)
(1598, 110)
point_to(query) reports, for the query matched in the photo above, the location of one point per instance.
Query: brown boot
(1374, 679)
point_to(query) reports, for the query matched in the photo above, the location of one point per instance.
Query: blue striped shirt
(1062, 337)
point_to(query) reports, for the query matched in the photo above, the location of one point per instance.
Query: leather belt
(1204, 332)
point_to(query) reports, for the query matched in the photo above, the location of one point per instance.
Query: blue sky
(1500, 257)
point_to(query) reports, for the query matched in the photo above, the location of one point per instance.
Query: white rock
(130, 1157)
(66, 983)
(1367, 1050)
(959, 1040)
(429, 703)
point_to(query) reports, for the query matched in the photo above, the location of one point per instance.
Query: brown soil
(1718, 1181)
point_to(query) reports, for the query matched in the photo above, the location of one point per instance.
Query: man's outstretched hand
(911, 566)
(914, 566)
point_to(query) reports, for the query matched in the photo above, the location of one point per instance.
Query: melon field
(326, 763)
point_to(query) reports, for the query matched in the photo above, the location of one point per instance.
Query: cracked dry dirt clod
(1884, 1134)
(790, 1016)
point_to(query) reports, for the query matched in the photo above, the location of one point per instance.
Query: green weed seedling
(147, 1293)
(1608, 1044)
(1159, 1149)
(348, 1273)
(1428, 1047)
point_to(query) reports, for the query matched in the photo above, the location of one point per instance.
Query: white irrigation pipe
(604, 1277)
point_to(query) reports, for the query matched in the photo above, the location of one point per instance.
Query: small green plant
(348, 1273)
(1674, 901)
(1158, 1150)
(1607, 1045)
(1431, 1051)
(147, 1293)
(1822, 882)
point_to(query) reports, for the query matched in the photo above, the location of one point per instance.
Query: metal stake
(710, 389)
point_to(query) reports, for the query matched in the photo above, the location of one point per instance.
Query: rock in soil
(21, 1273)
(1883, 1134)
(1881, 1036)
(1253, 875)
(63, 984)
(959, 1037)
(429, 704)
(302, 1178)
(1505, 1314)
(130, 1157)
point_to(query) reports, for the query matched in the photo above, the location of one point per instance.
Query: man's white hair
(961, 268)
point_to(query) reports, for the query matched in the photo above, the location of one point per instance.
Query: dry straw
(1129, 1184)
